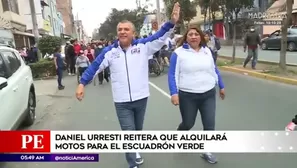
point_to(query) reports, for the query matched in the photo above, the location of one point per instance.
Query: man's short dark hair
(72, 41)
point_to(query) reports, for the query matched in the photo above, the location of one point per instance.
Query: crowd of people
(30, 55)
(78, 56)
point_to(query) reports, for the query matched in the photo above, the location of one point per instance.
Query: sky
(94, 12)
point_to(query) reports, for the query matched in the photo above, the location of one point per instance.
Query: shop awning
(23, 33)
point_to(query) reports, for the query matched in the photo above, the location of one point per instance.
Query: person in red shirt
(77, 47)
(89, 52)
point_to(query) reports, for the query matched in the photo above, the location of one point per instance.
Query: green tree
(204, 5)
(108, 28)
(187, 12)
(209, 8)
(48, 44)
(232, 9)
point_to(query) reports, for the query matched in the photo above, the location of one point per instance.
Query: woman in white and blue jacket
(192, 79)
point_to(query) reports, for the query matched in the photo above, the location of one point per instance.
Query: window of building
(5, 5)
(10, 5)
(14, 6)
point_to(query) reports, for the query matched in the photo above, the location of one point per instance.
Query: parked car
(273, 41)
(17, 91)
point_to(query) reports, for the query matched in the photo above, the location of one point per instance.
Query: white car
(17, 92)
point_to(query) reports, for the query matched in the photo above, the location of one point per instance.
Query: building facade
(65, 8)
(206, 22)
(57, 21)
(279, 7)
(43, 23)
(13, 24)
(47, 15)
(80, 31)
(260, 7)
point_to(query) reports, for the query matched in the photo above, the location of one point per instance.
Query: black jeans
(72, 61)
(190, 103)
(67, 59)
(131, 117)
(81, 70)
(60, 76)
(104, 75)
(215, 56)
(252, 53)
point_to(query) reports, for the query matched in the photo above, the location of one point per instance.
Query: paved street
(264, 55)
(251, 104)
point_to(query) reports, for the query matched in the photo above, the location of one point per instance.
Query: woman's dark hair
(184, 37)
(57, 49)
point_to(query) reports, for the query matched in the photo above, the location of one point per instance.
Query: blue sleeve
(171, 74)
(89, 73)
(220, 80)
(160, 33)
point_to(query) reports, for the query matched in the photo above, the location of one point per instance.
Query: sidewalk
(271, 56)
(48, 87)
(48, 95)
(45, 87)
(267, 71)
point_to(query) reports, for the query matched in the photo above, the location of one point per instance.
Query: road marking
(160, 90)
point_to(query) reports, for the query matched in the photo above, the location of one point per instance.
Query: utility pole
(284, 40)
(35, 26)
(34, 21)
(158, 13)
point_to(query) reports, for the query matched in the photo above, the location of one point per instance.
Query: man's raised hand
(175, 13)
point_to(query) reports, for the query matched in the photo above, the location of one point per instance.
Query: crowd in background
(74, 50)
(29, 54)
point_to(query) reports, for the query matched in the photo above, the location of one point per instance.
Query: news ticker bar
(49, 158)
